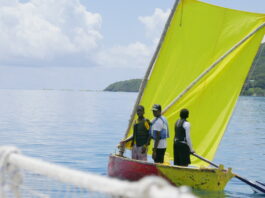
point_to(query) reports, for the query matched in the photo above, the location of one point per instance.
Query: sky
(83, 44)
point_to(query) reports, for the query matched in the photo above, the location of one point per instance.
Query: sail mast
(212, 67)
(150, 67)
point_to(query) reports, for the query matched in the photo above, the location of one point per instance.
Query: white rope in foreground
(152, 186)
(8, 172)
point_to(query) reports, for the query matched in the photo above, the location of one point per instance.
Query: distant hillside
(254, 85)
(126, 86)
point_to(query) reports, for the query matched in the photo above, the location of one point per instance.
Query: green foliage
(255, 83)
(254, 92)
(126, 86)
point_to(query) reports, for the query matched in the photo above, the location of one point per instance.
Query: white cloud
(136, 55)
(64, 33)
(46, 29)
(263, 41)
(154, 24)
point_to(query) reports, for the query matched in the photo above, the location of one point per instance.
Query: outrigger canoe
(201, 63)
(210, 179)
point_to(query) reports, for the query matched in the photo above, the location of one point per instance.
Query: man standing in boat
(140, 136)
(159, 133)
(182, 141)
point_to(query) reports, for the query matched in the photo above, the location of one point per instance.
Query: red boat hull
(211, 179)
(133, 170)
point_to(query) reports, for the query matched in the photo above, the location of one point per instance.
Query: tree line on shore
(254, 85)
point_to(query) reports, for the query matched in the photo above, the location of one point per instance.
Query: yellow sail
(199, 37)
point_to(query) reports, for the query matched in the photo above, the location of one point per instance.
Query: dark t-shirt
(180, 132)
(141, 132)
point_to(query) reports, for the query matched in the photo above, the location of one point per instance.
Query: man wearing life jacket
(182, 141)
(140, 136)
(159, 133)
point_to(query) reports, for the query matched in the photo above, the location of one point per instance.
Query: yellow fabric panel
(212, 100)
(198, 35)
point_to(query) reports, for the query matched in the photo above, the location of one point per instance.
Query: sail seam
(212, 67)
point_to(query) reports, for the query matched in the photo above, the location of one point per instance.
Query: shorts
(160, 153)
(137, 153)
(181, 154)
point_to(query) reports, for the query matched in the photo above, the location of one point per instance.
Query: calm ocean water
(80, 129)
